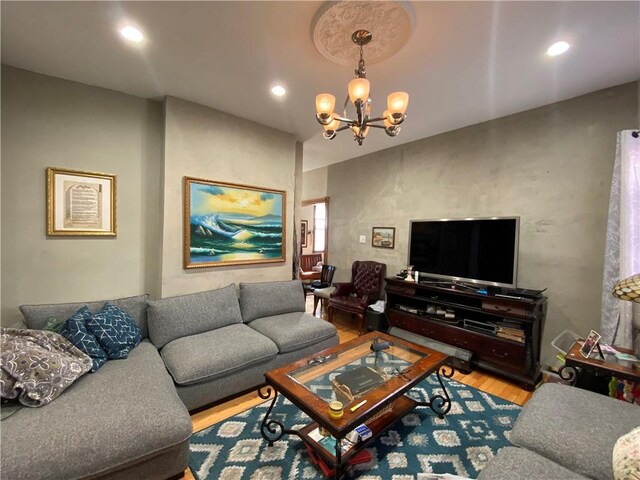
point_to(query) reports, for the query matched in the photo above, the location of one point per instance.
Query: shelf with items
(503, 334)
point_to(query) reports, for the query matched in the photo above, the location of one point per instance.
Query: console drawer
(504, 308)
(509, 355)
(461, 338)
(416, 325)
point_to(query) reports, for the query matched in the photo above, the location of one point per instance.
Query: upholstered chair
(322, 288)
(363, 290)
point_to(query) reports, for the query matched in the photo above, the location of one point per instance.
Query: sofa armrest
(343, 289)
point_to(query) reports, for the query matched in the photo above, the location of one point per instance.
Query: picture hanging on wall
(383, 237)
(80, 203)
(304, 231)
(230, 224)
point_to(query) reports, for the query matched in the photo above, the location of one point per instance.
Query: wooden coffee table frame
(389, 393)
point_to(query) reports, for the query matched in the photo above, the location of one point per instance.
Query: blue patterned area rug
(477, 426)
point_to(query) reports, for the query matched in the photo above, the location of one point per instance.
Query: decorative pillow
(626, 456)
(36, 366)
(75, 330)
(115, 331)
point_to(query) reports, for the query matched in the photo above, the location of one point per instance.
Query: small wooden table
(310, 385)
(609, 366)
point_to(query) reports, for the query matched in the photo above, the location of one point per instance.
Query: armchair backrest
(366, 277)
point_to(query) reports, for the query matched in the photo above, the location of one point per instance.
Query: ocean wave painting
(228, 224)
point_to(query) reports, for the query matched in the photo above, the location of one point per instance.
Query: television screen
(476, 250)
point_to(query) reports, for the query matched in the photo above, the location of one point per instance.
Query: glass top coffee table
(369, 380)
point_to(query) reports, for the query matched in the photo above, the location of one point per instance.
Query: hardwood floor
(348, 330)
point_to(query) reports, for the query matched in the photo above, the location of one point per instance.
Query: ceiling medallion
(359, 95)
(392, 21)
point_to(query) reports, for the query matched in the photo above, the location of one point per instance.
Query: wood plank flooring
(348, 330)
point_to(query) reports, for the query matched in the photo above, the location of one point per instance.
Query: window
(319, 226)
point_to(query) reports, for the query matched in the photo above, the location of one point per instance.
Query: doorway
(315, 215)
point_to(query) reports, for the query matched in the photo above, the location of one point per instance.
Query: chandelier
(359, 95)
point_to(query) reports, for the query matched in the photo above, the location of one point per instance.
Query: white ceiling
(467, 62)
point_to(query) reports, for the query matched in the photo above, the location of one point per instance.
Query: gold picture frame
(383, 237)
(80, 203)
(232, 224)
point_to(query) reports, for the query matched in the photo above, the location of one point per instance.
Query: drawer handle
(502, 309)
(498, 354)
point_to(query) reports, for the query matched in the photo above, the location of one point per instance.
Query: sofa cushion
(293, 331)
(125, 413)
(116, 331)
(75, 330)
(518, 463)
(595, 422)
(270, 298)
(36, 316)
(175, 317)
(216, 353)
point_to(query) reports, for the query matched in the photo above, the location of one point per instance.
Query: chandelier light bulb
(387, 119)
(325, 103)
(397, 103)
(333, 125)
(359, 90)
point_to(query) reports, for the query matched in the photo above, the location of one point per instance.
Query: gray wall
(49, 122)
(205, 143)
(551, 166)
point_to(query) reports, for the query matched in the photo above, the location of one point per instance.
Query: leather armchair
(363, 290)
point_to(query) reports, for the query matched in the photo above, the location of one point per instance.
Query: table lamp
(628, 289)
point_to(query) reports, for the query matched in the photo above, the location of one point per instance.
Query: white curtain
(620, 319)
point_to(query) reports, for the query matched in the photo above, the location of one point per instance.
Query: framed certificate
(80, 203)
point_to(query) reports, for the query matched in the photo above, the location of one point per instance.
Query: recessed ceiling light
(278, 91)
(558, 48)
(132, 34)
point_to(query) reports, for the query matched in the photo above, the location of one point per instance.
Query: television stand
(502, 331)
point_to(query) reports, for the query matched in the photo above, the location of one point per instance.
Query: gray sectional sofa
(131, 419)
(564, 433)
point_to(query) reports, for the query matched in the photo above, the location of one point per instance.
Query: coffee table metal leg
(338, 458)
(272, 430)
(440, 404)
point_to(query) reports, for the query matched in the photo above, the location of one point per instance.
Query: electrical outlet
(363, 239)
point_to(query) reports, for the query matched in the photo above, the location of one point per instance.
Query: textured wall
(49, 122)
(314, 183)
(551, 166)
(205, 143)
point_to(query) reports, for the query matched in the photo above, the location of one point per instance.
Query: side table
(610, 366)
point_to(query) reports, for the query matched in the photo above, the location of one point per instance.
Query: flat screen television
(476, 250)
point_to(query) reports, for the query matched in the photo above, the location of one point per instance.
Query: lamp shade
(359, 89)
(397, 103)
(333, 125)
(387, 119)
(628, 289)
(325, 103)
(356, 130)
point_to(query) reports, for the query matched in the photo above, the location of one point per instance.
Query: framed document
(80, 203)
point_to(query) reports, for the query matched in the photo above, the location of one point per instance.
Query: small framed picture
(383, 237)
(589, 344)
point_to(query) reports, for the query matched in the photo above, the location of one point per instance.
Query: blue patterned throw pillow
(75, 330)
(115, 330)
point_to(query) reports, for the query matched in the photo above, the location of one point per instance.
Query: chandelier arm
(344, 119)
(375, 126)
(377, 119)
(345, 127)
